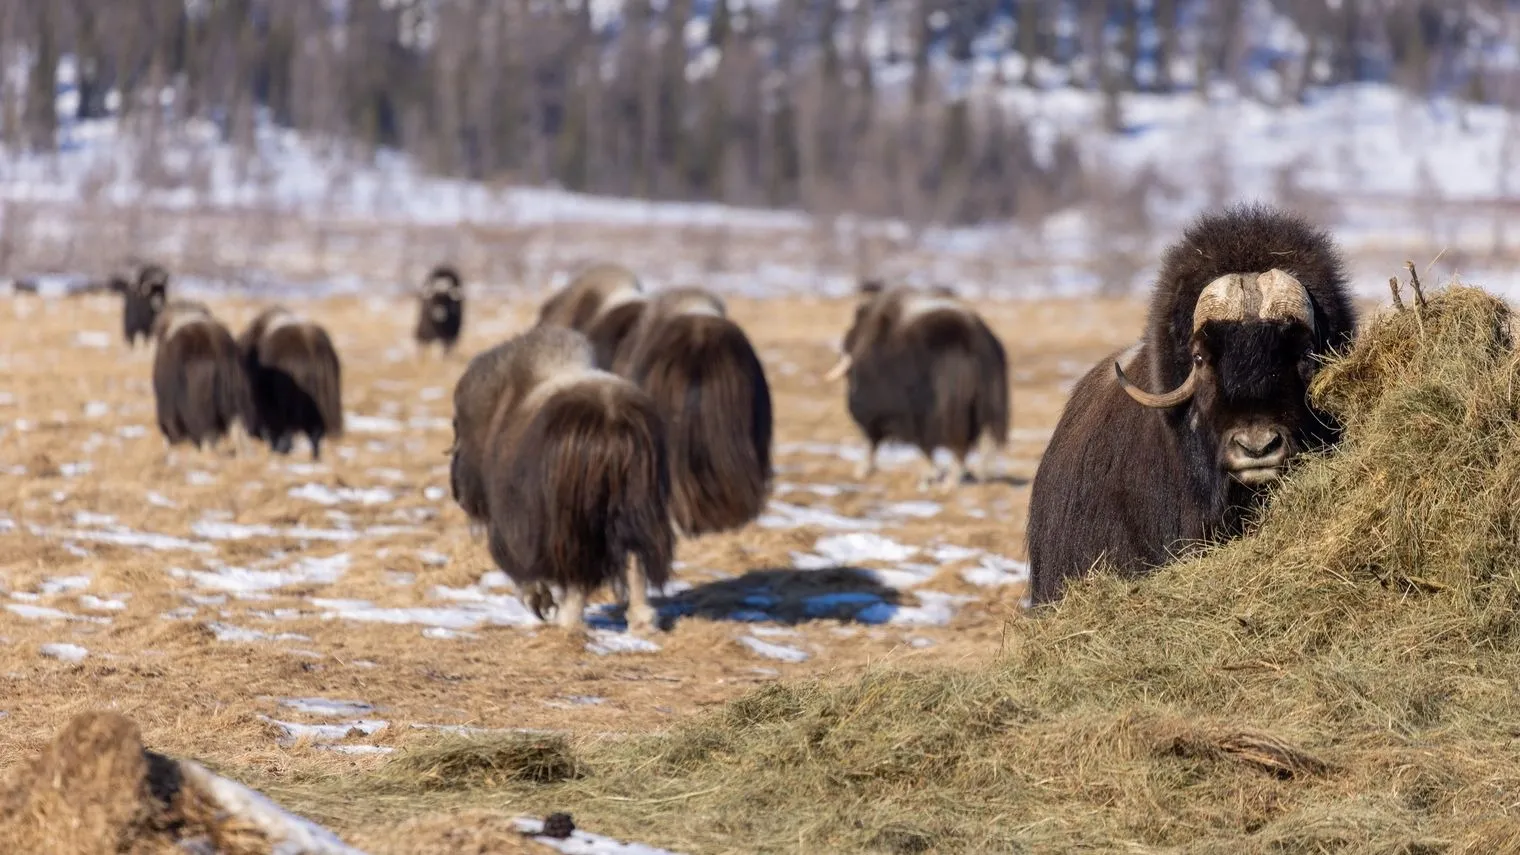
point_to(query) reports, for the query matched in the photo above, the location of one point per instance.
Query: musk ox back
(923, 368)
(440, 313)
(710, 388)
(297, 379)
(564, 465)
(603, 302)
(142, 300)
(1245, 306)
(200, 390)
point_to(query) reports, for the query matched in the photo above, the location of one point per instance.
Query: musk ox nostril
(1258, 444)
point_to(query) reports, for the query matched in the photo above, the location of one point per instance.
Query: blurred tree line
(884, 107)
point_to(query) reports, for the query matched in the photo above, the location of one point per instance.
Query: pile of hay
(96, 789)
(1342, 680)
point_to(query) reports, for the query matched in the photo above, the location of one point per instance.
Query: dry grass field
(289, 622)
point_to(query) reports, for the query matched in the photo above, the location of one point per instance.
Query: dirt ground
(289, 620)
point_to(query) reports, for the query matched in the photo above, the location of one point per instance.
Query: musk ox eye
(1198, 359)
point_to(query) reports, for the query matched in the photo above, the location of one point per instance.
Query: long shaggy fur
(440, 310)
(297, 379)
(926, 370)
(603, 302)
(1137, 486)
(710, 388)
(200, 389)
(563, 463)
(142, 301)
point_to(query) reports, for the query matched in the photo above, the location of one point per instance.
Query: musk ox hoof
(643, 620)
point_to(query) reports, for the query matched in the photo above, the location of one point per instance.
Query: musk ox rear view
(440, 313)
(200, 390)
(925, 369)
(142, 300)
(564, 466)
(1171, 442)
(297, 379)
(603, 302)
(710, 388)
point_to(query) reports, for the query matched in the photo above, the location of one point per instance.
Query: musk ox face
(1245, 398)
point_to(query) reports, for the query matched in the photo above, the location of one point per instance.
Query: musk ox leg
(540, 598)
(641, 615)
(986, 450)
(931, 476)
(571, 615)
(866, 468)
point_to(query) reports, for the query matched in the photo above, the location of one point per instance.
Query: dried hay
(96, 789)
(1342, 680)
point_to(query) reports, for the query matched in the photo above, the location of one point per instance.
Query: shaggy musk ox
(297, 379)
(925, 369)
(200, 389)
(441, 311)
(1243, 308)
(142, 301)
(603, 302)
(564, 465)
(710, 388)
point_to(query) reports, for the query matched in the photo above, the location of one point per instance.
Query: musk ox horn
(839, 368)
(1170, 399)
(1284, 298)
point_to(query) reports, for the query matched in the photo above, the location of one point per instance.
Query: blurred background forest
(928, 112)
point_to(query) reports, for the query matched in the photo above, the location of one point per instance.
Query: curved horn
(1179, 395)
(1284, 298)
(1228, 298)
(839, 368)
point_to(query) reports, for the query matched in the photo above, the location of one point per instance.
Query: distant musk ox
(1244, 306)
(297, 379)
(200, 389)
(924, 368)
(564, 465)
(440, 312)
(142, 301)
(710, 388)
(603, 301)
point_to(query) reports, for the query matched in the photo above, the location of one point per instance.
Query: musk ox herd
(625, 419)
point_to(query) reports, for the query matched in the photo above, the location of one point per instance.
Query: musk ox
(603, 302)
(200, 389)
(710, 388)
(297, 379)
(564, 466)
(925, 369)
(440, 312)
(142, 302)
(1244, 307)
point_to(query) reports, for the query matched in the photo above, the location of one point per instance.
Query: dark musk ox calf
(925, 369)
(440, 311)
(564, 466)
(142, 300)
(200, 389)
(1244, 307)
(710, 388)
(603, 302)
(297, 379)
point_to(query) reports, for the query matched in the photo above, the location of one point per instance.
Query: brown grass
(1342, 680)
(196, 696)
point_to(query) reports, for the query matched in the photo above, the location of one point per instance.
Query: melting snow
(324, 495)
(370, 424)
(585, 843)
(330, 708)
(308, 570)
(854, 548)
(786, 515)
(292, 731)
(773, 651)
(994, 570)
(604, 642)
(92, 339)
(241, 635)
(64, 652)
